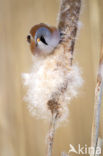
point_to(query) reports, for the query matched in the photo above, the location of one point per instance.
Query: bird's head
(43, 39)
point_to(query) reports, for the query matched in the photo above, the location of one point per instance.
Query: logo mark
(84, 150)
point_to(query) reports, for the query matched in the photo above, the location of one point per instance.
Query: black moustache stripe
(42, 39)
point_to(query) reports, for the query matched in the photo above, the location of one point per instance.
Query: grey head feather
(49, 39)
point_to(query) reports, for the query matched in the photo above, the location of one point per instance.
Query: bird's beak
(38, 39)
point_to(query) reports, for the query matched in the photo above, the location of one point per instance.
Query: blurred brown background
(20, 133)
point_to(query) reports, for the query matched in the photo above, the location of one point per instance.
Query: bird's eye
(42, 39)
(29, 38)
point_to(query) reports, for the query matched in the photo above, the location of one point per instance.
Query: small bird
(43, 39)
(52, 82)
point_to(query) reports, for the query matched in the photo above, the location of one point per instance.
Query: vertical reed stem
(51, 134)
(97, 105)
(68, 25)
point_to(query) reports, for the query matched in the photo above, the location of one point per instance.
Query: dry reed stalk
(68, 25)
(53, 107)
(99, 144)
(64, 154)
(97, 105)
(51, 134)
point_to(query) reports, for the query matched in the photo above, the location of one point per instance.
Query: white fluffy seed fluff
(48, 76)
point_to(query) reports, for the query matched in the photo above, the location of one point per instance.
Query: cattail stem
(68, 24)
(99, 144)
(97, 105)
(51, 134)
(96, 119)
